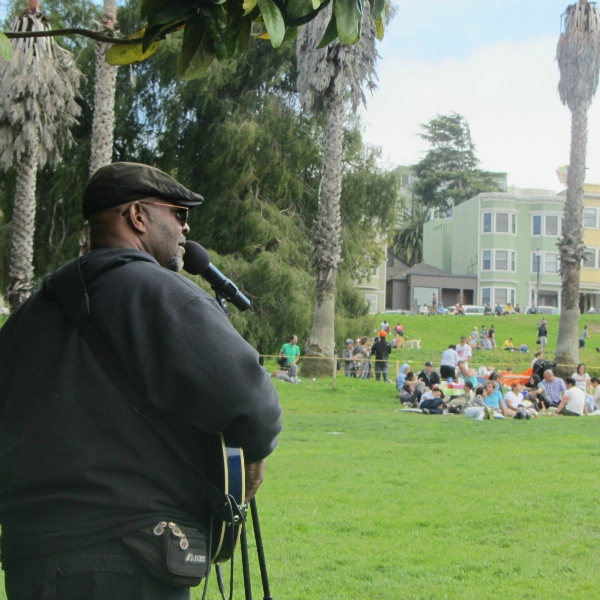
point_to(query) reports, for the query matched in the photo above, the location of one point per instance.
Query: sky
(491, 61)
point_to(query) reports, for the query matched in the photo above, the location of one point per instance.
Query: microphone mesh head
(196, 259)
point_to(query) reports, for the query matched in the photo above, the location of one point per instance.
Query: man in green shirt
(292, 354)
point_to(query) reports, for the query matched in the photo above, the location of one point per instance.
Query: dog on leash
(413, 344)
(398, 342)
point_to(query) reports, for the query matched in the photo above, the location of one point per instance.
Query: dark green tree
(448, 174)
(408, 240)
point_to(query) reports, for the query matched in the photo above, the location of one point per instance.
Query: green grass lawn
(437, 332)
(363, 502)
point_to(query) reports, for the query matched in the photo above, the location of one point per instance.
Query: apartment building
(508, 240)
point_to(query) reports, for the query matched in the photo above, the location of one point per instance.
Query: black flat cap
(123, 182)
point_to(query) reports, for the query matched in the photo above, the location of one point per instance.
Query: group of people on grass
(489, 394)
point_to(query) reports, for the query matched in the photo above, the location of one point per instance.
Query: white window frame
(511, 295)
(496, 254)
(512, 220)
(483, 302)
(510, 262)
(483, 259)
(372, 300)
(542, 254)
(594, 252)
(595, 225)
(546, 254)
(543, 217)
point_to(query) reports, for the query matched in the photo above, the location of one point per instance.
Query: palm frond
(578, 54)
(37, 104)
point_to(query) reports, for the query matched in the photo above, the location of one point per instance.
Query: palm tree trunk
(20, 271)
(327, 240)
(104, 110)
(567, 349)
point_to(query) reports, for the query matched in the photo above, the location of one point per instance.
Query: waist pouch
(178, 556)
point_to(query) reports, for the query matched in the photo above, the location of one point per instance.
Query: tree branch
(95, 35)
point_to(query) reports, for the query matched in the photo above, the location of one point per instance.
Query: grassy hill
(437, 332)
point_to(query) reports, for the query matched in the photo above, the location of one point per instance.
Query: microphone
(196, 261)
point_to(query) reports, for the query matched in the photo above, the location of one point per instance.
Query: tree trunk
(327, 242)
(571, 246)
(20, 271)
(104, 110)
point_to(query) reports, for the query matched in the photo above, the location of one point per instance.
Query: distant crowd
(489, 394)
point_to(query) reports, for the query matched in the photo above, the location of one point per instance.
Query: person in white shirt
(573, 402)
(464, 351)
(595, 384)
(582, 379)
(449, 362)
(513, 401)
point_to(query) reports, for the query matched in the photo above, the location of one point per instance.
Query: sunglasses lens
(182, 215)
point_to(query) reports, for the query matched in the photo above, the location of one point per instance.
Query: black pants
(101, 572)
(447, 371)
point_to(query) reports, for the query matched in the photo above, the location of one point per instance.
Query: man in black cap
(80, 469)
(428, 376)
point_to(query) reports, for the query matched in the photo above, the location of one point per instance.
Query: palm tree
(578, 56)
(37, 108)
(327, 77)
(408, 240)
(104, 108)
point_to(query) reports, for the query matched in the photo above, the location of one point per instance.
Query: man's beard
(175, 263)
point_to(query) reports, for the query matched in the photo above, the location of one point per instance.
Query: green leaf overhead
(6, 49)
(273, 20)
(197, 51)
(348, 15)
(330, 33)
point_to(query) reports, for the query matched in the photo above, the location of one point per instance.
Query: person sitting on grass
(467, 374)
(498, 310)
(456, 404)
(411, 391)
(595, 384)
(433, 403)
(424, 310)
(493, 396)
(428, 376)
(487, 311)
(513, 401)
(509, 345)
(555, 389)
(401, 377)
(572, 403)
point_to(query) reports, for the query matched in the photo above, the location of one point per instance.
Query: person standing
(381, 350)
(584, 336)
(434, 303)
(491, 335)
(347, 357)
(291, 352)
(449, 362)
(542, 334)
(85, 477)
(464, 351)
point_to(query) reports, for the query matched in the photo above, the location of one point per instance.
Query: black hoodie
(77, 464)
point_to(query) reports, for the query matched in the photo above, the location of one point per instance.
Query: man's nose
(186, 228)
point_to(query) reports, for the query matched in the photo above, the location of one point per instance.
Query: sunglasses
(181, 212)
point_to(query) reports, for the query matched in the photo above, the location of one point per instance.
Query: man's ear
(137, 217)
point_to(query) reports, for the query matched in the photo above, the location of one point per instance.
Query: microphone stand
(262, 563)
